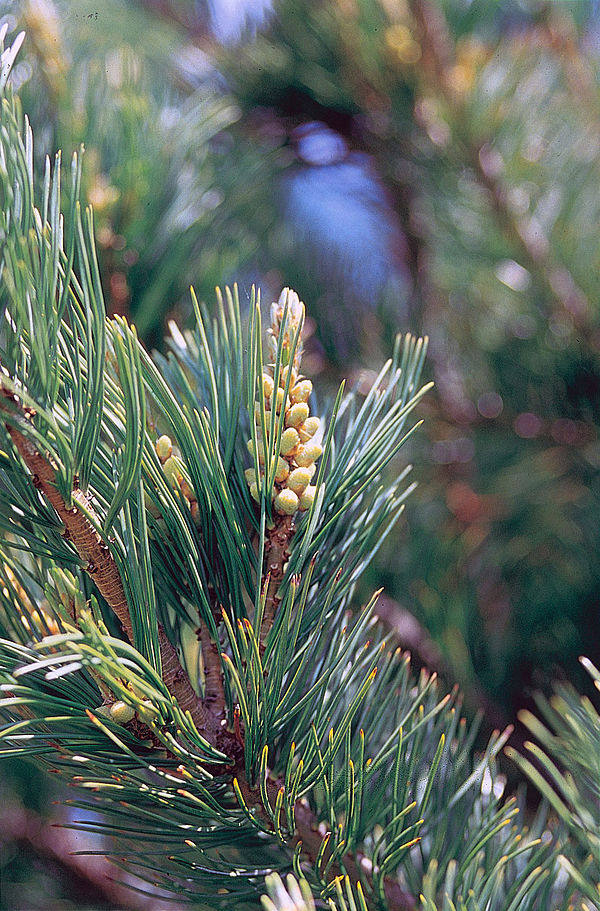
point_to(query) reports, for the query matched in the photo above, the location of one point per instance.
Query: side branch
(101, 567)
(536, 253)
(78, 529)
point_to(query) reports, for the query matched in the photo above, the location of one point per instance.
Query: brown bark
(276, 555)
(101, 566)
(86, 540)
(214, 696)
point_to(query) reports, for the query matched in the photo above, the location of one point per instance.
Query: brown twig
(276, 555)
(101, 566)
(214, 694)
(414, 638)
(89, 876)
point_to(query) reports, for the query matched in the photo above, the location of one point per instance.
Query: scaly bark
(101, 566)
(214, 694)
(276, 555)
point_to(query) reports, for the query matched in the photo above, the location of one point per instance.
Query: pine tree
(182, 543)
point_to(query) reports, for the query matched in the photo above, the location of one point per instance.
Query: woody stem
(276, 556)
(100, 565)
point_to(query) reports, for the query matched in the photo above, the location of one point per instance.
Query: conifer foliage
(181, 541)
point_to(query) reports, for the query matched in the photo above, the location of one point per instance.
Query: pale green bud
(308, 429)
(289, 440)
(121, 712)
(147, 711)
(283, 375)
(298, 480)
(286, 502)
(164, 448)
(261, 451)
(283, 470)
(307, 454)
(259, 424)
(297, 415)
(307, 498)
(172, 470)
(268, 385)
(301, 391)
(280, 402)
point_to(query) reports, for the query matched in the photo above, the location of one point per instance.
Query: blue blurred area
(232, 19)
(339, 214)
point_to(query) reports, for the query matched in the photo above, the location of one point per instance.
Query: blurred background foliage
(424, 165)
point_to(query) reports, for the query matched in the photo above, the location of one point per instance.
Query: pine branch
(95, 554)
(85, 875)
(101, 567)
(310, 840)
(197, 554)
(397, 898)
(535, 254)
(415, 639)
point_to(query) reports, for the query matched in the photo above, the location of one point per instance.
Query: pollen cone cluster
(176, 473)
(297, 451)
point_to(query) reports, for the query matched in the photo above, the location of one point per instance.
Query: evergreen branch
(308, 840)
(307, 672)
(101, 566)
(81, 524)
(415, 639)
(565, 768)
(307, 837)
(537, 256)
(396, 898)
(88, 543)
(323, 853)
